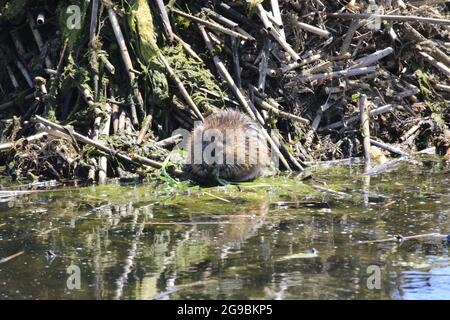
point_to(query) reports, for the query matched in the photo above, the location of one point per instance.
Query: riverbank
(96, 90)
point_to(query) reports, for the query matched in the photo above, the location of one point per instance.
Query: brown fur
(248, 143)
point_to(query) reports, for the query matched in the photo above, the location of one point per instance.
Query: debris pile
(94, 89)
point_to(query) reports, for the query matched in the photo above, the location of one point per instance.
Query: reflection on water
(283, 239)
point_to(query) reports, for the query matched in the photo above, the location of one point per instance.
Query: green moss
(433, 101)
(355, 97)
(192, 73)
(156, 81)
(181, 23)
(143, 39)
(72, 74)
(140, 21)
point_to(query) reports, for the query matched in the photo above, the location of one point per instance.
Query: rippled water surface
(283, 238)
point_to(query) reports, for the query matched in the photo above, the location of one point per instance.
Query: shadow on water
(272, 239)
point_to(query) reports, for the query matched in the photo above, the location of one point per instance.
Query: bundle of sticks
(324, 80)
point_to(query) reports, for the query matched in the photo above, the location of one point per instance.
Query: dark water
(247, 242)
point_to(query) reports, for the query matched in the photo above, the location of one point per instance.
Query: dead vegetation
(106, 89)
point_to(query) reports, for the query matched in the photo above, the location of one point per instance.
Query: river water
(283, 238)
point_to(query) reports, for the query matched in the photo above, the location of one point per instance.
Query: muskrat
(229, 146)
